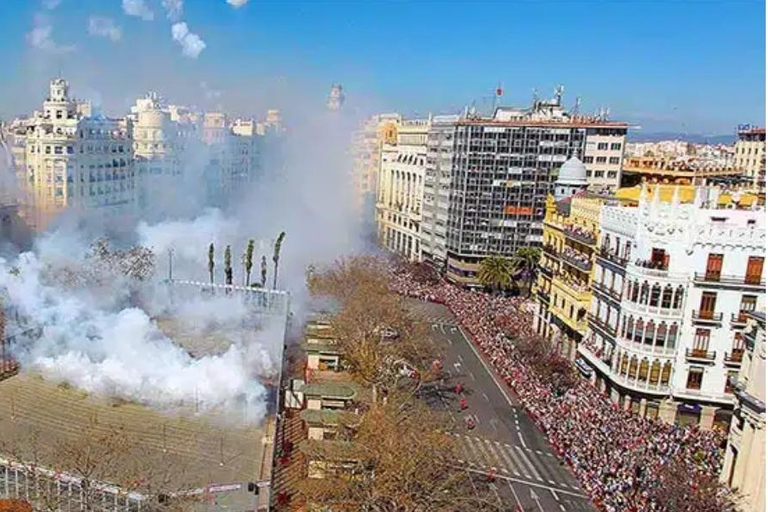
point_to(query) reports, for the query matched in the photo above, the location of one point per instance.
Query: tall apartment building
(675, 278)
(76, 160)
(750, 153)
(744, 465)
(487, 179)
(400, 189)
(366, 151)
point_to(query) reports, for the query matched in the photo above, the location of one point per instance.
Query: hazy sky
(687, 66)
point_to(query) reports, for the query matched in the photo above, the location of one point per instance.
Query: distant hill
(640, 136)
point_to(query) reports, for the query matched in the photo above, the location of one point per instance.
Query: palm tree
(496, 272)
(248, 262)
(276, 256)
(527, 261)
(228, 265)
(263, 271)
(211, 264)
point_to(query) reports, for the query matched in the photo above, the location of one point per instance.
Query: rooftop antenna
(576, 105)
(559, 94)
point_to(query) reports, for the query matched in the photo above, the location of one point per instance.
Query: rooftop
(341, 390)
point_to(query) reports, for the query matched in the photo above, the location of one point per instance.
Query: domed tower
(571, 179)
(59, 90)
(336, 97)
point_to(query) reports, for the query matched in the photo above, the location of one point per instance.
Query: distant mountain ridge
(639, 136)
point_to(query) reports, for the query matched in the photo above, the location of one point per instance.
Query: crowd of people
(623, 461)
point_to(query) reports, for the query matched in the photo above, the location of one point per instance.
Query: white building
(675, 277)
(750, 153)
(744, 465)
(400, 189)
(76, 160)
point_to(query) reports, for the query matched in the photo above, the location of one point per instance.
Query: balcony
(739, 320)
(606, 291)
(694, 354)
(542, 294)
(652, 268)
(721, 281)
(602, 325)
(581, 235)
(550, 249)
(580, 263)
(706, 317)
(734, 358)
(545, 270)
(608, 255)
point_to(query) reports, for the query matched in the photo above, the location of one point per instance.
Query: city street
(504, 439)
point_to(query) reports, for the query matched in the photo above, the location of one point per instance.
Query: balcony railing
(740, 319)
(583, 237)
(550, 249)
(734, 358)
(699, 355)
(652, 264)
(706, 317)
(606, 290)
(545, 270)
(602, 325)
(586, 266)
(607, 254)
(543, 294)
(718, 279)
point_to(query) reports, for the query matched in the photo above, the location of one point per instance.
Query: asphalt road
(504, 439)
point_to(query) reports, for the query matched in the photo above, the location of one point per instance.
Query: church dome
(573, 172)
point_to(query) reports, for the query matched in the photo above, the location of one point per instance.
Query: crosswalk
(514, 461)
(431, 313)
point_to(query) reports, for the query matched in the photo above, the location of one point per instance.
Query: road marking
(535, 497)
(471, 374)
(526, 482)
(522, 441)
(485, 396)
(485, 365)
(493, 424)
(515, 495)
(458, 356)
(508, 461)
(530, 465)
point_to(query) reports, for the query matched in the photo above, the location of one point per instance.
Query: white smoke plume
(41, 36)
(112, 348)
(51, 4)
(191, 44)
(173, 9)
(101, 26)
(237, 3)
(138, 8)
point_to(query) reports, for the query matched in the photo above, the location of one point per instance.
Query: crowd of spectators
(623, 461)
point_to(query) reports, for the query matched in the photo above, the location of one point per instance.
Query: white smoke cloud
(237, 3)
(139, 9)
(191, 44)
(117, 350)
(41, 37)
(101, 26)
(51, 4)
(173, 9)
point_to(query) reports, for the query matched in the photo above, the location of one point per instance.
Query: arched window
(643, 374)
(666, 297)
(661, 334)
(649, 332)
(655, 295)
(633, 367)
(672, 338)
(624, 363)
(629, 327)
(665, 373)
(655, 370)
(634, 286)
(638, 336)
(677, 302)
(644, 293)
(623, 330)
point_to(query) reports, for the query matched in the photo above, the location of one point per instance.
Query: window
(612, 174)
(666, 298)
(730, 381)
(701, 341)
(589, 159)
(754, 269)
(695, 376)
(665, 373)
(714, 267)
(707, 305)
(614, 160)
(599, 174)
(616, 146)
(602, 145)
(655, 370)
(589, 174)
(600, 160)
(748, 303)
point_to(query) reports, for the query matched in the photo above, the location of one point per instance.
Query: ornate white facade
(672, 285)
(400, 190)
